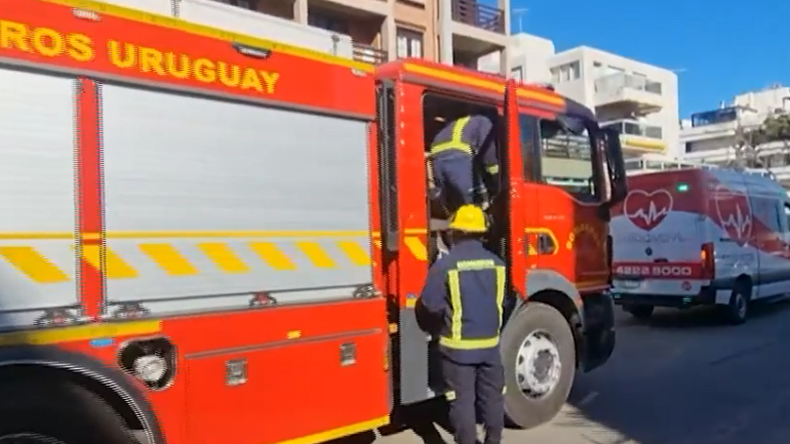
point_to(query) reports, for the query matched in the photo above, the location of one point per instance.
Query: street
(680, 378)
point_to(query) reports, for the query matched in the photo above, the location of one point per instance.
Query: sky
(719, 48)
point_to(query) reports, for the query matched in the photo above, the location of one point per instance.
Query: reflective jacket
(471, 135)
(466, 288)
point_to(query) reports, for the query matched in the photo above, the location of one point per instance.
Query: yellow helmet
(469, 219)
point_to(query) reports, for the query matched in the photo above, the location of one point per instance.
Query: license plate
(629, 284)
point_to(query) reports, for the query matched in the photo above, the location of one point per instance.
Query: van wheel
(737, 310)
(44, 412)
(641, 312)
(539, 356)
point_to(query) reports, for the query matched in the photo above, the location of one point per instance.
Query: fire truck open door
(511, 214)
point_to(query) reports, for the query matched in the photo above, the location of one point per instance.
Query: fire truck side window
(555, 155)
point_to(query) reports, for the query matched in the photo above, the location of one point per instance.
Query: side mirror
(615, 165)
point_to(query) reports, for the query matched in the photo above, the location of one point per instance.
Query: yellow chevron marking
(167, 257)
(33, 264)
(114, 266)
(224, 257)
(417, 248)
(272, 255)
(355, 252)
(377, 243)
(316, 254)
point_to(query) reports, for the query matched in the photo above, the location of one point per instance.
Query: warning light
(682, 187)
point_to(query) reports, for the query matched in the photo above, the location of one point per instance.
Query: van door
(658, 233)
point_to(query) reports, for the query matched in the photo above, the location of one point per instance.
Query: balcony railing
(632, 128)
(476, 14)
(613, 82)
(369, 54)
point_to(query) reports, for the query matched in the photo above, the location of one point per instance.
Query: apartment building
(454, 32)
(712, 136)
(638, 99)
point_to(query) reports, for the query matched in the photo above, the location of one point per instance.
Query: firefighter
(457, 155)
(465, 291)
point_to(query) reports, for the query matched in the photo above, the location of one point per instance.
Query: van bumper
(706, 296)
(598, 334)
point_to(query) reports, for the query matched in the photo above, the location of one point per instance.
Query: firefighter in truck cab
(463, 162)
(465, 292)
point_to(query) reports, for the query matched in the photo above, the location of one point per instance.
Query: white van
(689, 237)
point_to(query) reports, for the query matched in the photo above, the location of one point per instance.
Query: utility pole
(519, 13)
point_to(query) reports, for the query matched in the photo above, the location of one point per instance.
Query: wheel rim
(28, 438)
(740, 305)
(538, 365)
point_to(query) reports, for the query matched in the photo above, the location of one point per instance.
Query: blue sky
(723, 47)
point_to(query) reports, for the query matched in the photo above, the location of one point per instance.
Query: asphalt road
(681, 378)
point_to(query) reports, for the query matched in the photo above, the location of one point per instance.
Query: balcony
(628, 93)
(369, 54)
(639, 137)
(477, 29)
(478, 15)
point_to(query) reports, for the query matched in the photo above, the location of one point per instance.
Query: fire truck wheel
(55, 412)
(539, 356)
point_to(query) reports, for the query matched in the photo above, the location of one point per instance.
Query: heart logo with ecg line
(647, 210)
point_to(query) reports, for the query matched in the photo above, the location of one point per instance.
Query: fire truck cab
(560, 174)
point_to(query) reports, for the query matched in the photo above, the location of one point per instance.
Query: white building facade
(710, 136)
(638, 99)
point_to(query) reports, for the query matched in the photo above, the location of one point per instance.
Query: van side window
(787, 216)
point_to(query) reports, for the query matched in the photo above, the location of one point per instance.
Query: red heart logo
(735, 213)
(647, 210)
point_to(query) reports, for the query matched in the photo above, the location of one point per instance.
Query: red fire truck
(209, 238)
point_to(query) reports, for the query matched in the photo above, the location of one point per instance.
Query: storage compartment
(287, 390)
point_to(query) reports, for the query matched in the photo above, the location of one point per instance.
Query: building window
(409, 43)
(575, 70)
(555, 75)
(517, 73)
(327, 22)
(246, 4)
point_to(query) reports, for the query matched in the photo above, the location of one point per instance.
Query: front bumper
(598, 334)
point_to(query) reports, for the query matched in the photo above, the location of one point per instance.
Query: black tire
(526, 412)
(61, 411)
(737, 311)
(641, 312)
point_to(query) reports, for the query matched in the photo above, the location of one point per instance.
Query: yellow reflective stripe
(500, 291)
(114, 267)
(316, 254)
(454, 281)
(479, 264)
(224, 257)
(456, 142)
(169, 259)
(456, 340)
(492, 169)
(469, 344)
(34, 265)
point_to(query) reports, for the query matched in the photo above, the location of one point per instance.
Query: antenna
(519, 12)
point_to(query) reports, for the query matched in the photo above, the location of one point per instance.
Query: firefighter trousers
(473, 386)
